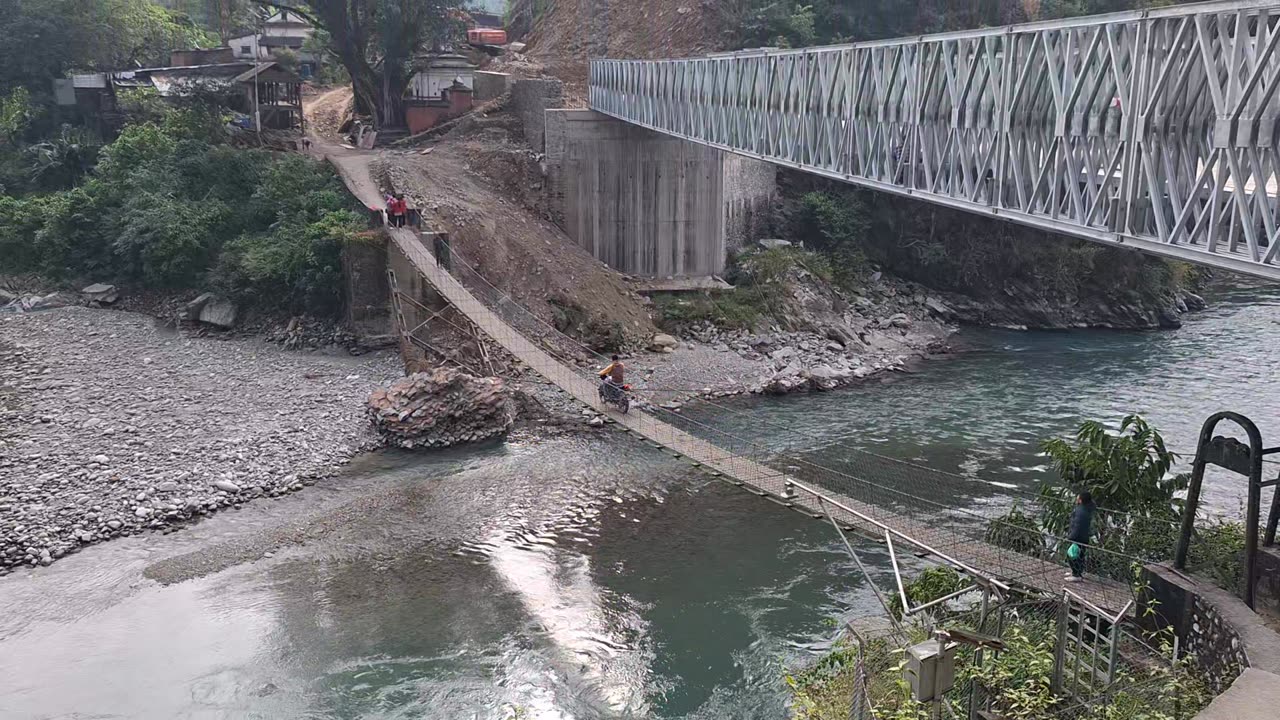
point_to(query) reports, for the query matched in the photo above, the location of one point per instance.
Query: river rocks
(191, 311)
(663, 343)
(133, 446)
(100, 294)
(441, 408)
(211, 309)
(1023, 305)
(226, 486)
(938, 309)
(219, 312)
(32, 303)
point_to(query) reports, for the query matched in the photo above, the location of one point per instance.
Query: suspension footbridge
(1153, 130)
(791, 482)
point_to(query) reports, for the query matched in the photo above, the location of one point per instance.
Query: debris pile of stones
(800, 361)
(442, 408)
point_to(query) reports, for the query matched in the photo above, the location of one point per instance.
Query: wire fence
(1029, 659)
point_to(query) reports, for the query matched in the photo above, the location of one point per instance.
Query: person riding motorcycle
(613, 377)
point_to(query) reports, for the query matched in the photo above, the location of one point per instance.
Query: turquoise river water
(582, 577)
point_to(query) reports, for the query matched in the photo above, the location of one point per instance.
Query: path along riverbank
(111, 425)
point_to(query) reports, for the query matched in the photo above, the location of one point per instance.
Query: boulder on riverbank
(441, 408)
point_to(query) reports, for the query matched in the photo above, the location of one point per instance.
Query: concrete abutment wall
(1232, 646)
(648, 204)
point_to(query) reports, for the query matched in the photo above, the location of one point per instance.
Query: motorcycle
(618, 396)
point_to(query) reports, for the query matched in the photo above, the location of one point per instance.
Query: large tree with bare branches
(377, 41)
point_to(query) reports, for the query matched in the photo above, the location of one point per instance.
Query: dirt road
(324, 117)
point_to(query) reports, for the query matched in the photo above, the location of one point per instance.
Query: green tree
(44, 39)
(168, 241)
(15, 114)
(377, 41)
(1128, 474)
(137, 147)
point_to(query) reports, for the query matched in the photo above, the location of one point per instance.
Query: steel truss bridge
(1153, 130)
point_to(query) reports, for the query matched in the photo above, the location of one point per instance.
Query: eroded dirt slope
(570, 33)
(470, 187)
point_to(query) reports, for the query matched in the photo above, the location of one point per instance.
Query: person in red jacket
(398, 209)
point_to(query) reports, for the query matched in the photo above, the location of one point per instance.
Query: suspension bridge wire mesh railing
(576, 354)
(752, 464)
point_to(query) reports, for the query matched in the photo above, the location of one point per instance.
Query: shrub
(16, 114)
(738, 309)
(1018, 680)
(828, 221)
(63, 161)
(772, 267)
(168, 242)
(1016, 531)
(19, 221)
(1217, 551)
(138, 147)
(931, 584)
(72, 240)
(297, 266)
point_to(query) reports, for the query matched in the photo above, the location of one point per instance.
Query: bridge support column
(648, 204)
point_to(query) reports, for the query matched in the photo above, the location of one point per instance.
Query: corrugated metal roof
(280, 41)
(87, 81)
(170, 83)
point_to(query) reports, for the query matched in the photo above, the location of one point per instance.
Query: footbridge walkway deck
(802, 486)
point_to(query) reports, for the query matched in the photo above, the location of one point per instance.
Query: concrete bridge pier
(649, 204)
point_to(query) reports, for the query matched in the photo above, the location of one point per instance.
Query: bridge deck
(991, 561)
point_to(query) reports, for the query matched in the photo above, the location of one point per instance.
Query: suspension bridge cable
(1042, 563)
(555, 333)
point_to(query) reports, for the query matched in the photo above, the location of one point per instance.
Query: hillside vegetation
(169, 202)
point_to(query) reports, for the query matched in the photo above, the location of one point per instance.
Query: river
(580, 576)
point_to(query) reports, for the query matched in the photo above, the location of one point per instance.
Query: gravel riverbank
(110, 425)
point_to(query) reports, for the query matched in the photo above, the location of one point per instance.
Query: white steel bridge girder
(1152, 129)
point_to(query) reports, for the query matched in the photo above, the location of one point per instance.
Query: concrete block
(489, 85)
(530, 99)
(649, 204)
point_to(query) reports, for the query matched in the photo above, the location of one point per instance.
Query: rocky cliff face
(988, 271)
(1025, 306)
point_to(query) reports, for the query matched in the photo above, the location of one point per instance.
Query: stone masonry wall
(364, 270)
(1215, 644)
(749, 189)
(530, 99)
(489, 85)
(1214, 626)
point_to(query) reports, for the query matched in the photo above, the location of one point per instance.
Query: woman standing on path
(1078, 535)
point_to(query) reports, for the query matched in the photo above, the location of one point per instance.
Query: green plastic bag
(1073, 551)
